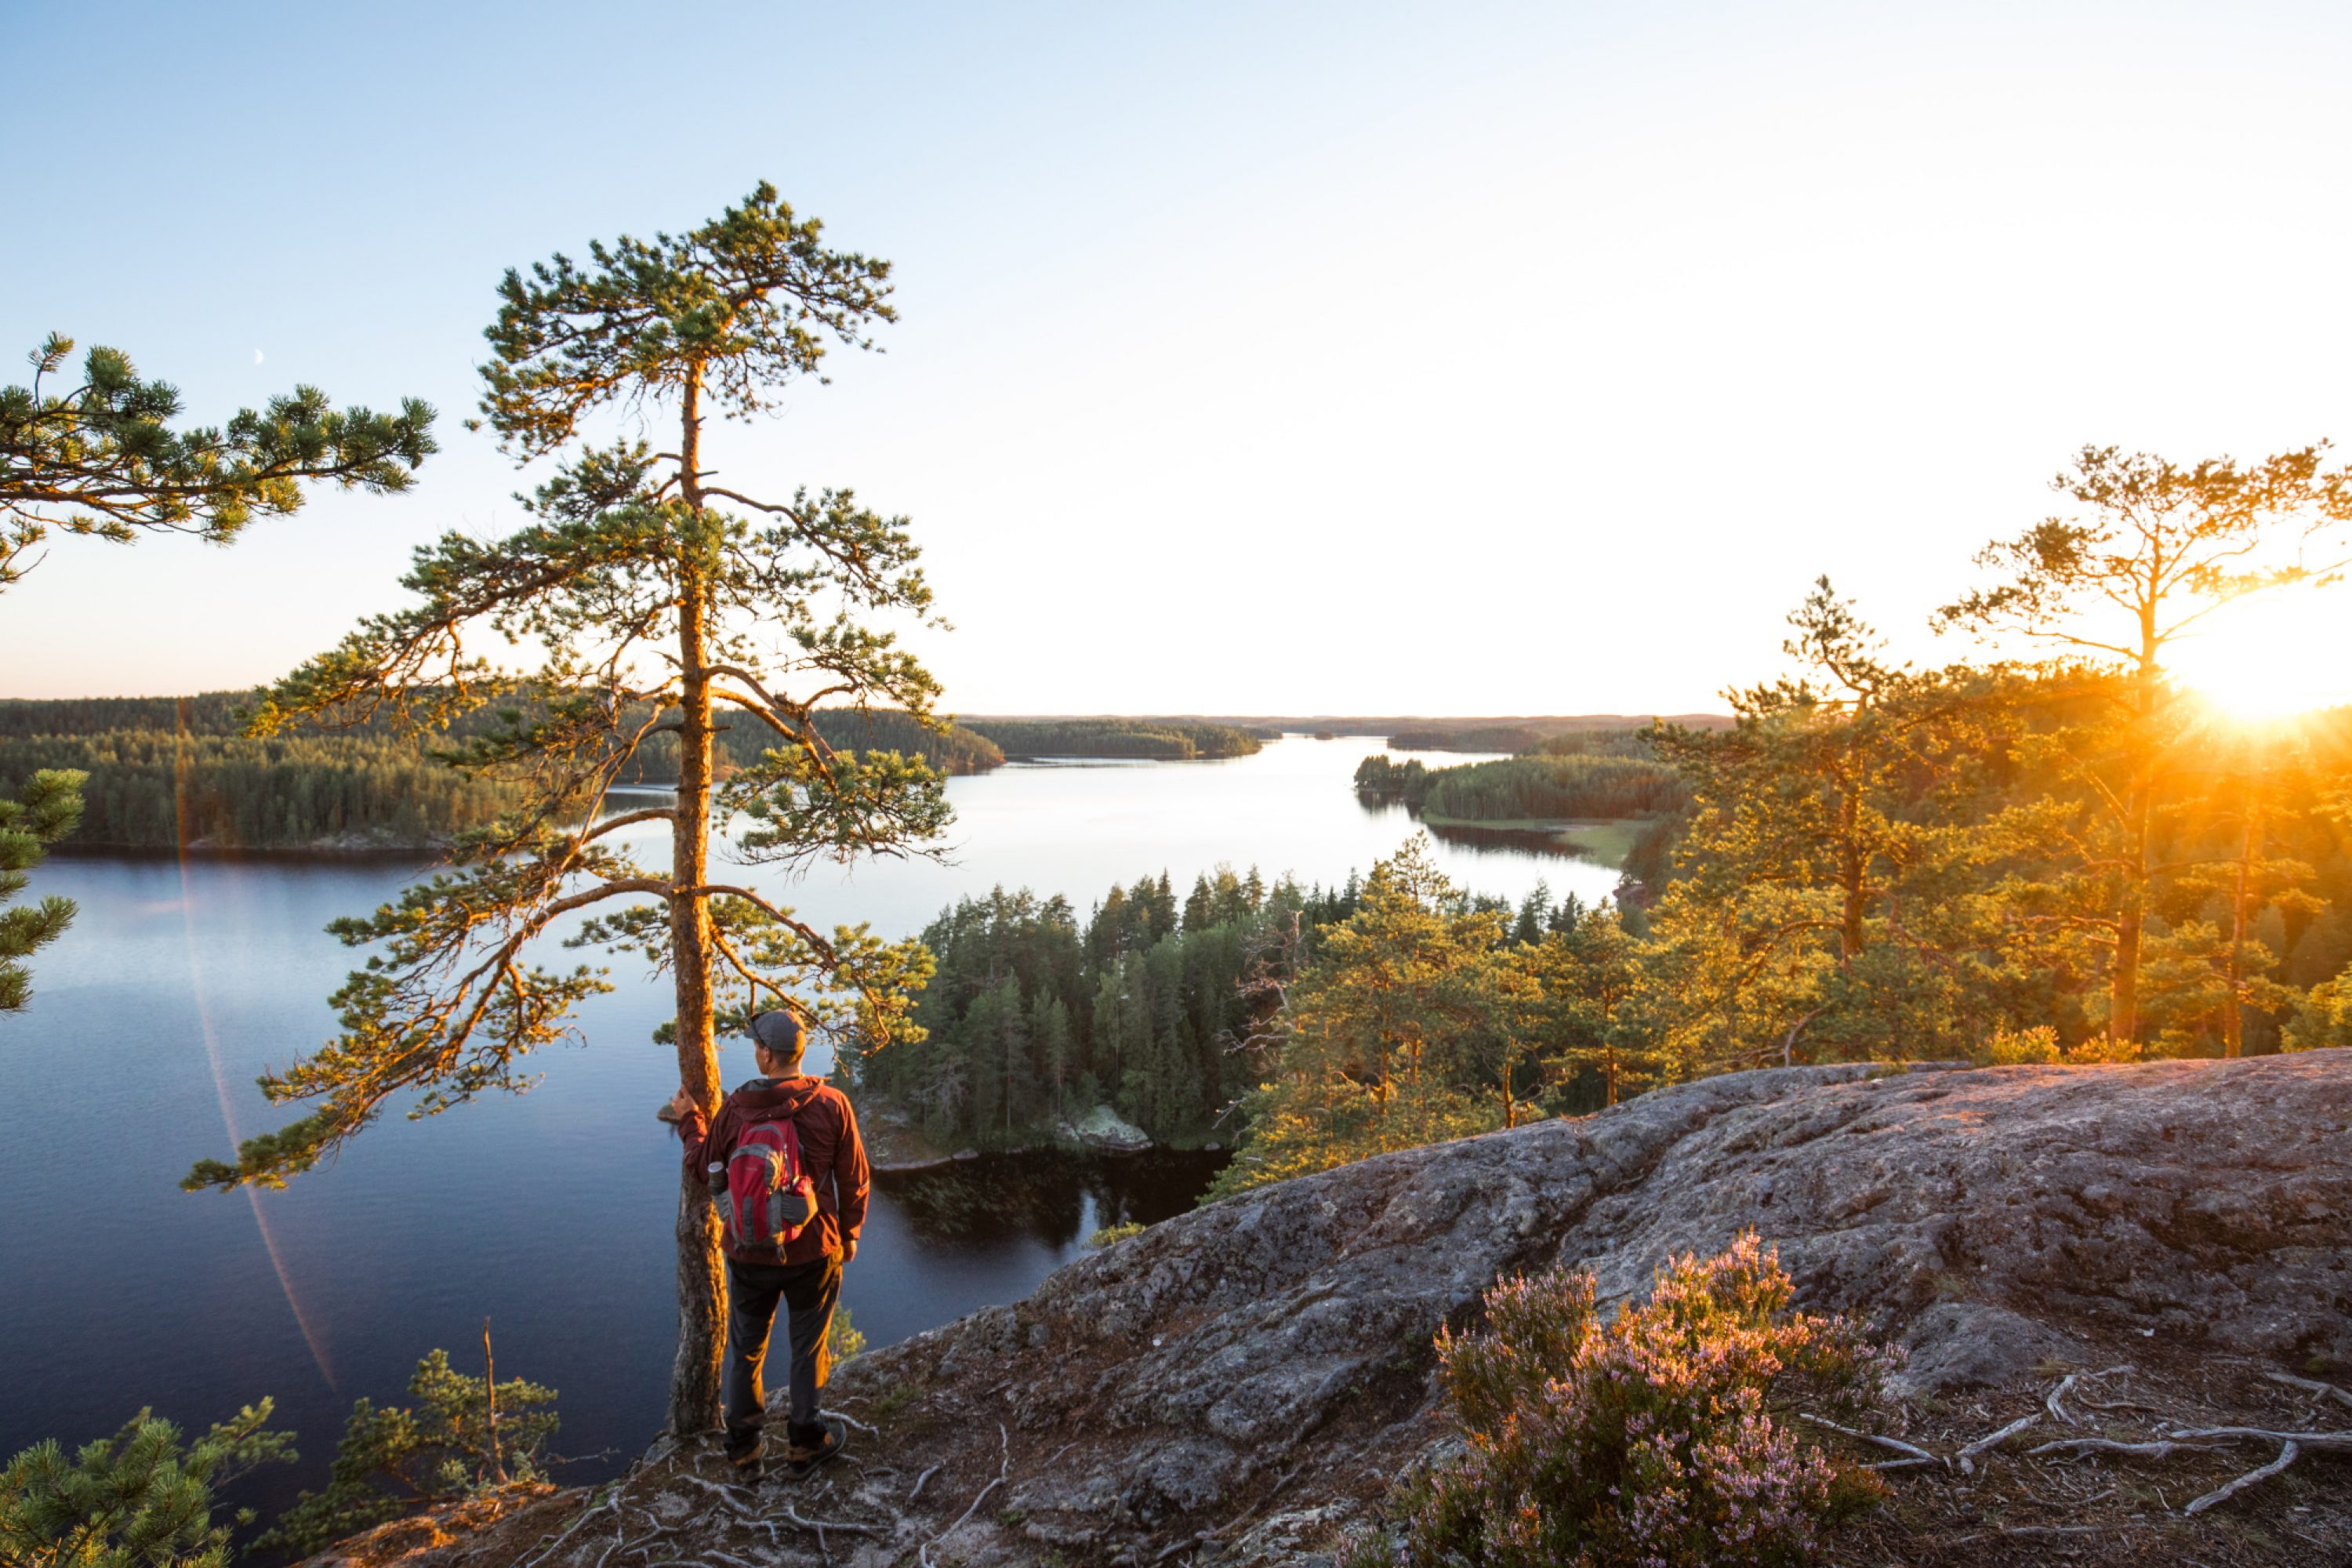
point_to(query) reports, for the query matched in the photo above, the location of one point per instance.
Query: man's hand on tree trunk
(681, 1105)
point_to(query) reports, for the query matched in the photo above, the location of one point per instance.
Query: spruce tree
(655, 600)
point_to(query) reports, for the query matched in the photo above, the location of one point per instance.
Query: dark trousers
(808, 1291)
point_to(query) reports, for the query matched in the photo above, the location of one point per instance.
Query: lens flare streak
(311, 1336)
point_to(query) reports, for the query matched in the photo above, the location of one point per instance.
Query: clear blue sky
(1255, 358)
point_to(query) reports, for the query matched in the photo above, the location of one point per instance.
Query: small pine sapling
(137, 1499)
(438, 1449)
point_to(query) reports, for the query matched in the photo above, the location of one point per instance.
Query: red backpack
(769, 1197)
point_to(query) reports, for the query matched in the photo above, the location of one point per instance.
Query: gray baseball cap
(779, 1032)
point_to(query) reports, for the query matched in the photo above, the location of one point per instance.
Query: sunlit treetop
(748, 300)
(2166, 544)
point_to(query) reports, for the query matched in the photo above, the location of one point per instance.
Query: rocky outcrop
(1237, 1385)
(1105, 1131)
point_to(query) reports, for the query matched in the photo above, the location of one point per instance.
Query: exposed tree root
(2320, 1442)
(1003, 1467)
(1966, 1458)
(2055, 1399)
(2288, 1456)
(1914, 1455)
(2311, 1386)
(2151, 1450)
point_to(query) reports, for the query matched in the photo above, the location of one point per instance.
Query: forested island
(1602, 793)
(1527, 734)
(1162, 740)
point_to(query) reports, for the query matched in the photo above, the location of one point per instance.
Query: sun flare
(2273, 656)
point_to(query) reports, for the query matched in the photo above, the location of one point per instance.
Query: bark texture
(701, 1288)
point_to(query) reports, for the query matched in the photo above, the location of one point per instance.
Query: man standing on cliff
(805, 1272)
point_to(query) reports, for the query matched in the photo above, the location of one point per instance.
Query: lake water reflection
(549, 1212)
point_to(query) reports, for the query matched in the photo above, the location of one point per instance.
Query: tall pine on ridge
(658, 600)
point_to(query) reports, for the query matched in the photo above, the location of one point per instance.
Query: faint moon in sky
(256, 356)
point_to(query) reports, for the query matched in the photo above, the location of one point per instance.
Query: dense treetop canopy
(733, 310)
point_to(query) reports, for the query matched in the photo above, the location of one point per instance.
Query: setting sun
(2272, 655)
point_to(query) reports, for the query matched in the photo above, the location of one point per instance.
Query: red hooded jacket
(830, 1152)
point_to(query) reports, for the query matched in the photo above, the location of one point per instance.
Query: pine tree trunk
(2139, 812)
(2123, 981)
(701, 1299)
(1854, 878)
(2233, 1023)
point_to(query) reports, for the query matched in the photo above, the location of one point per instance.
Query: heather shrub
(1657, 1440)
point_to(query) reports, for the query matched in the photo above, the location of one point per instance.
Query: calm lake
(549, 1212)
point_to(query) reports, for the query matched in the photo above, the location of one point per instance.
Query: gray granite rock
(1236, 1382)
(1997, 1222)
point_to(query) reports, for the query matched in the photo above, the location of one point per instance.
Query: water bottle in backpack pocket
(770, 1198)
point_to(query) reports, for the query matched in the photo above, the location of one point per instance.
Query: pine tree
(396, 1458)
(1055, 1048)
(660, 599)
(100, 461)
(1011, 1051)
(2322, 950)
(44, 813)
(1107, 931)
(1815, 819)
(979, 1039)
(1382, 1034)
(1585, 979)
(2206, 974)
(2152, 549)
(1108, 1050)
(137, 1499)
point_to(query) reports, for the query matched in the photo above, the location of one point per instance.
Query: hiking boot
(806, 1447)
(743, 1452)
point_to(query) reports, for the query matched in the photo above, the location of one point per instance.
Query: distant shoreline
(411, 853)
